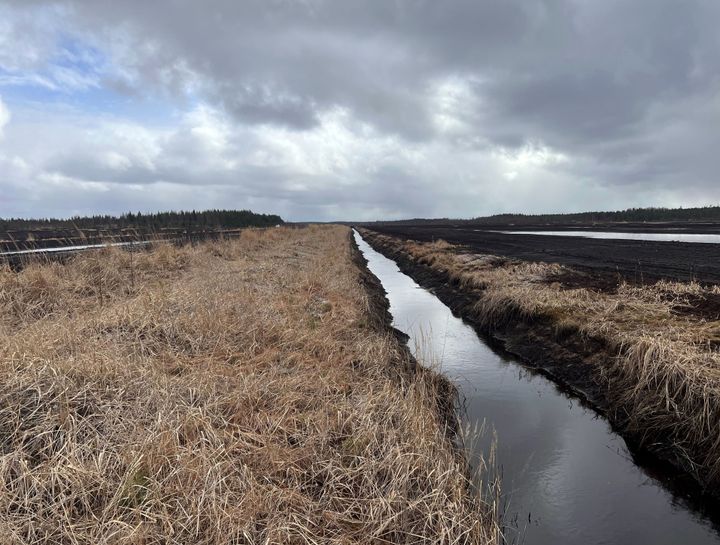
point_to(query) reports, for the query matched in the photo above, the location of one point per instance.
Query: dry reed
(233, 392)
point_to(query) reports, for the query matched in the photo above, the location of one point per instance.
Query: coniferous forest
(208, 219)
(706, 213)
(634, 215)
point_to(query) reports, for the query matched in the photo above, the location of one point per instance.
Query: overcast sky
(358, 109)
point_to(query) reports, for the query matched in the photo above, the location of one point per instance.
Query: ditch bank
(446, 394)
(578, 364)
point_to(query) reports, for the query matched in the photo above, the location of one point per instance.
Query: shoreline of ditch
(570, 361)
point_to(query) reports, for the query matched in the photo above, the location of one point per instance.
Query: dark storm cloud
(560, 70)
(628, 92)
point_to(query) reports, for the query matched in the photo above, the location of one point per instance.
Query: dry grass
(663, 367)
(234, 392)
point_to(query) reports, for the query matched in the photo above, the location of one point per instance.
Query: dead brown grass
(663, 367)
(234, 392)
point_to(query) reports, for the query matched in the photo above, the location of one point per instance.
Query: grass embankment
(246, 391)
(650, 350)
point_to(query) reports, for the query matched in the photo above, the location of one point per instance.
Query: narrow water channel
(567, 478)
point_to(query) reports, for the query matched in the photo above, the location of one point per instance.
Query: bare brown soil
(705, 306)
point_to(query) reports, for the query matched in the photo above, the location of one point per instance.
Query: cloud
(334, 108)
(4, 116)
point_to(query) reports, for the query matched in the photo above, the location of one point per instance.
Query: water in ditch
(567, 478)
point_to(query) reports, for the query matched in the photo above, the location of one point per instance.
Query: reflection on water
(658, 237)
(567, 478)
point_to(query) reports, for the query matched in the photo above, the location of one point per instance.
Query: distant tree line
(206, 219)
(706, 213)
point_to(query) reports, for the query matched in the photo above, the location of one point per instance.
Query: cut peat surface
(635, 261)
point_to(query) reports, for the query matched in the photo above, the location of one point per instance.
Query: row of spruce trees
(700, 214)
(207, 219)
(706, 213)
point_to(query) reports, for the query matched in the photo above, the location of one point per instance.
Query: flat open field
(42, 239)
(232, 392)
(603, 260)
